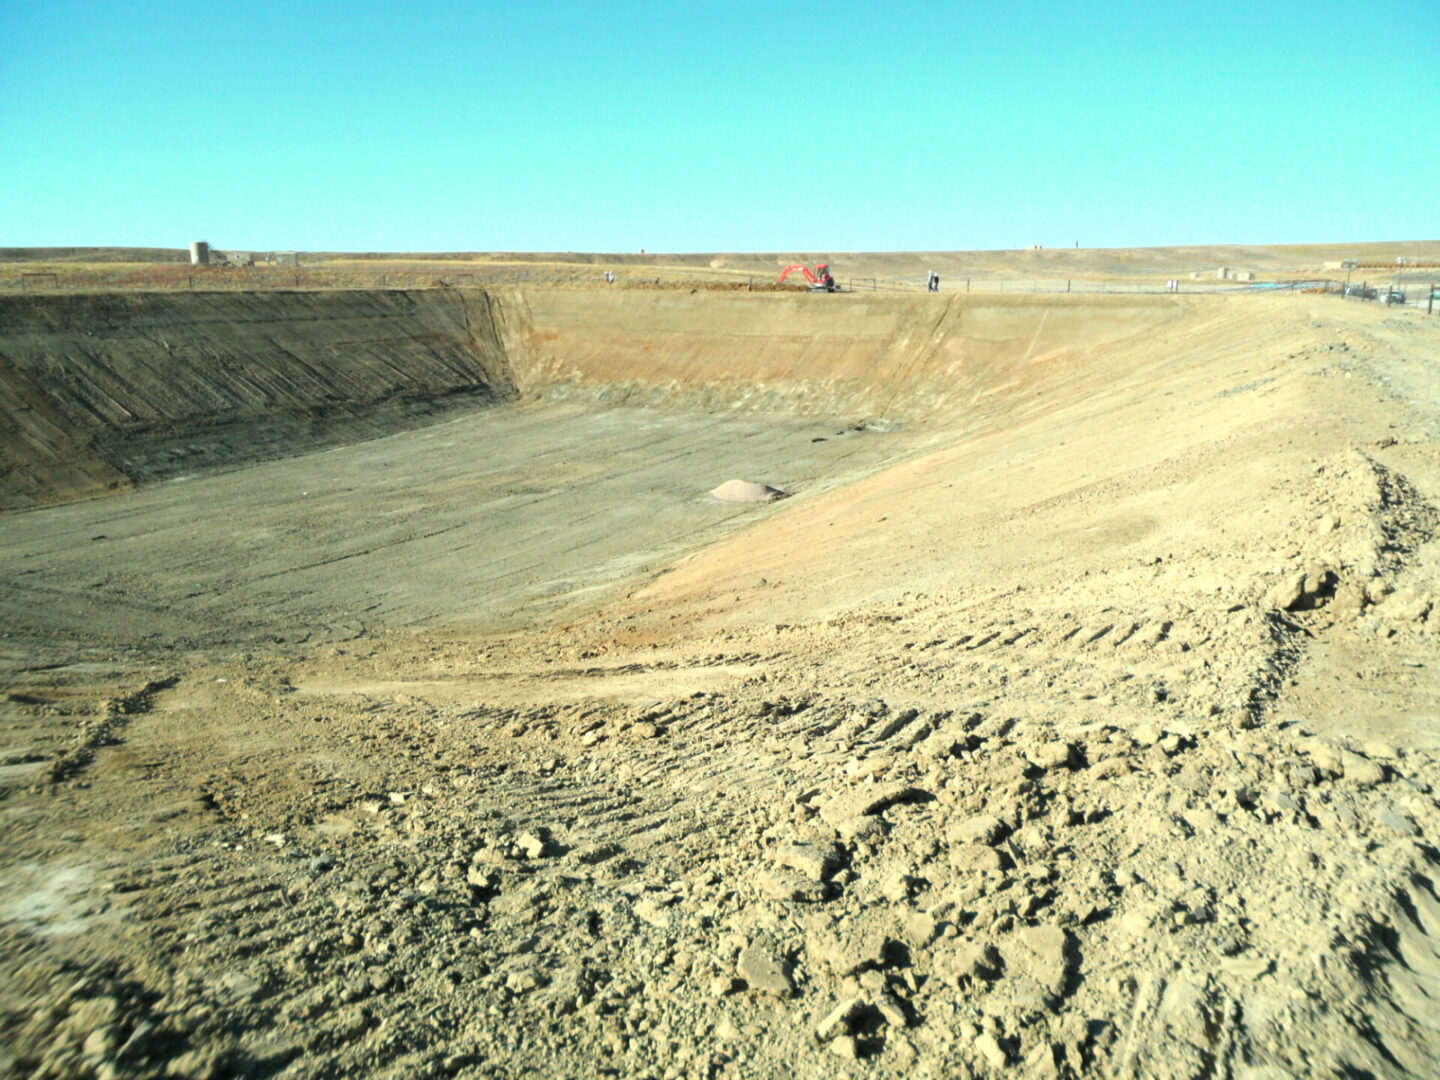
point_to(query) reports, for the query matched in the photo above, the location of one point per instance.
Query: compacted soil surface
(1074, 714)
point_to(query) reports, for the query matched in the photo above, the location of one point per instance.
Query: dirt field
(1411, 264)
(1074, 715)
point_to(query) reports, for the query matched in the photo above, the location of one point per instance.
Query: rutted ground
(1101, 770)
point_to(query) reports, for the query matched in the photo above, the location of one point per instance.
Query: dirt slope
(147, 386)
(903, 358)
(1083, 726)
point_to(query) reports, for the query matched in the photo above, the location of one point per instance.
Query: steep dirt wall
(100, 391)
(860, 354)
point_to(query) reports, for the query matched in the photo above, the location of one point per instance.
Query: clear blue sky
(725, 126)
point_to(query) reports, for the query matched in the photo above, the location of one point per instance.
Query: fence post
(1067, 284)
(1430, 307)
(967, 284)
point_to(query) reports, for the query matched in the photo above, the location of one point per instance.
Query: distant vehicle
(819, 281)
(1392, 296)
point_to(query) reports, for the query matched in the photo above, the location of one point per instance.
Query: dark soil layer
(103, 391)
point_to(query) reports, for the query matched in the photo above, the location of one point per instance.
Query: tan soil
(1075, 715)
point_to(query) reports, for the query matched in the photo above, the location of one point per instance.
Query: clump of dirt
(746, 491)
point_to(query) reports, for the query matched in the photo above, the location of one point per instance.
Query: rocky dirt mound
(716, 883)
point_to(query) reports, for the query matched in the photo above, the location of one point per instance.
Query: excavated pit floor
(499, 519)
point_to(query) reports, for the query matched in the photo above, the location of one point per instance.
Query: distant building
(199, 253)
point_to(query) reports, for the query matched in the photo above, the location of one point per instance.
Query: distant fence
(1395, 293)
(1121, 288)
(1076, 285)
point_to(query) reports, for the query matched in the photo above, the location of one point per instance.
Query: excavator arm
(803, 269)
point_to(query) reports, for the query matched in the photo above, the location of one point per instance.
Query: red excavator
(818, 281)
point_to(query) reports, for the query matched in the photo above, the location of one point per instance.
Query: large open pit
(541, 448)
(384, 693)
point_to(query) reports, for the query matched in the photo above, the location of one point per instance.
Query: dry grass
(1043, 270)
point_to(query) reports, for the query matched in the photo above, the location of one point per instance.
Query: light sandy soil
(494, 520)
(1076, 714)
